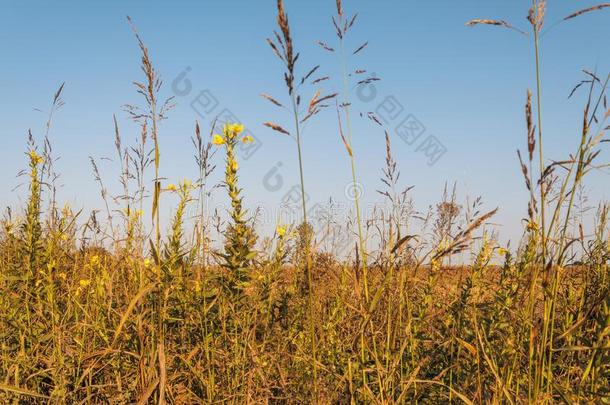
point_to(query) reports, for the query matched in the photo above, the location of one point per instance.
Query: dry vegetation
(109, 308)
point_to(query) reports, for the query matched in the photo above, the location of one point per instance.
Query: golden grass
(111, 311)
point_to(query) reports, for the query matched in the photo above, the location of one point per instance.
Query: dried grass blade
(22, 391)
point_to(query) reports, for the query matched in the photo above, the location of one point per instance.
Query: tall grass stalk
(283, 47)
(343, 27)
(152, 113)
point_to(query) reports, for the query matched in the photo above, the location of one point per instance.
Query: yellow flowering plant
(502, 251)
(239, 236)
(32, 228)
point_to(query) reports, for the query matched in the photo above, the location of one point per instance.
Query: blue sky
(466, 85)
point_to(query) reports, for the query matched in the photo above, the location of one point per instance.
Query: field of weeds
(113, 307)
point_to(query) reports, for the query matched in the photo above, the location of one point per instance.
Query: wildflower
(486, 251)
(232, 130)
(237, 128)
(218, 140)
(239, 238)
(172, 187)
(139, 213)
(147, 262)
(502, 251)
(95, 260)
(35, 157)
(84, 283)
(281, 231)
(247, 139)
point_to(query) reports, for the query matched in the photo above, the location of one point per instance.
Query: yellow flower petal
(218, 140)
(95, 260)
(35, 157)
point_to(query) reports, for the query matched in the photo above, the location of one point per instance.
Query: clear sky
(466, 86)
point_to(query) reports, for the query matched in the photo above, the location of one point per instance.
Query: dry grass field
(115, 308)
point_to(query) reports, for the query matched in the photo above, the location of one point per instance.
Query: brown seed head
(531, 129)
(587, 10)
(536, 15)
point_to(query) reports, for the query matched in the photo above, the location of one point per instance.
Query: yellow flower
(35, 157)
(95, 260)
(247, 139)
(172, 187)
(502, 251)
(84, 283)
(218, 140)
(139, 213)
(281, 231)
(147, 262)
(234, 166)
(237, 128)
(233, 129)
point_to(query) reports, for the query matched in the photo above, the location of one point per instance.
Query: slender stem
(348, 123)
(541, 356)
(347, 104)
(298, 132)
(540, 145)
(312, 330)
